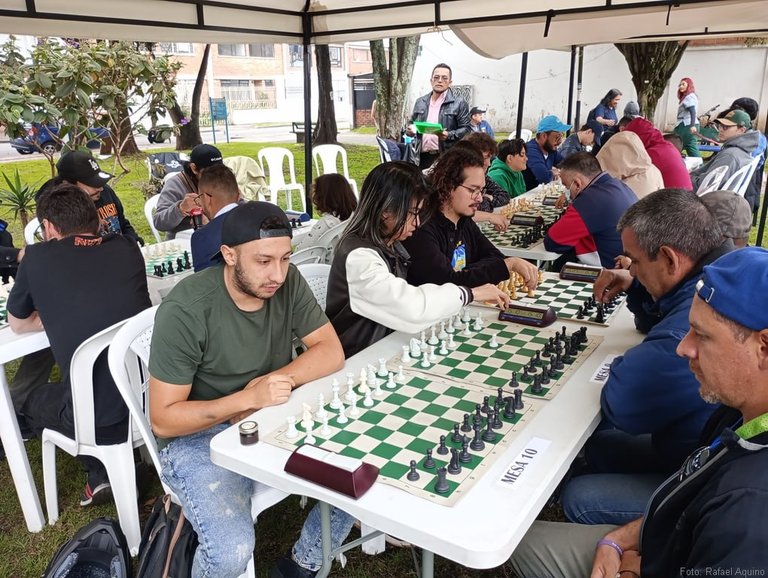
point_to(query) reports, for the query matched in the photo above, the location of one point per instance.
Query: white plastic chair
(330, 239)
(326, 158)
(117, 458)
(383, 150)
(738, 182)
(128, 361)
(250, 177)
(316, 275)
(712, 180)
(150, 205)
(309, 255)
(272, 159)
(32, 232)
(525, 134)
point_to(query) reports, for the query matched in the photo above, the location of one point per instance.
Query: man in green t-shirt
(221, 349)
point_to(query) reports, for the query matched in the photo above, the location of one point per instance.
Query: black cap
(476, 110)
(77, 166)
(245, 223)
(205, 155)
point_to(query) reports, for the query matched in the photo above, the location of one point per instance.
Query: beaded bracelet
(620, 572)
(612, 544)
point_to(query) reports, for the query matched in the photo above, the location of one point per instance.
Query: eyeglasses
(441, 78)
(474, 191)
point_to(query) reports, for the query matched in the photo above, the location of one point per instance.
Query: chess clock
(580, 272)
(550, 200)
(527, 220)
(527, 314)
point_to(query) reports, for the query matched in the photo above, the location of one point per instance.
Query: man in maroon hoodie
(663, 154)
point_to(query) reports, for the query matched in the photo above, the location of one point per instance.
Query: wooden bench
(297, 128)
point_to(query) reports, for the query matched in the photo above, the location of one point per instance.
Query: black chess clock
(534, 315)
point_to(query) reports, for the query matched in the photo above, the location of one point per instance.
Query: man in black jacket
(707, 518)
(439, 106)
(449, 247)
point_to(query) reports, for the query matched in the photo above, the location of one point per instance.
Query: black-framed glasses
(474, 191)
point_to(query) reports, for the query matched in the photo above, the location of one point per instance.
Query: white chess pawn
(382, 368)
(433, 338)
(443, 333)
(423, 340)
(363, 381)
(450, 329)
(321, 412)
(493, 344)
(466, 331)
(368, 400)
(406, 356)
(335, 402)
(391, 381)
(415, 348)
(354, 411)
(452, 345)
(342, 415)
(350, 385)
(378, 392)
(310, 439)
(457, 324)
(372, 376)
(432, 356)
(443, 350)
(400, 378)
(306, 417)
(465, 317)
(291, 433)
(325, 431)
(478, 322)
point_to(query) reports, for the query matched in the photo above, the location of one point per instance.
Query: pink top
(430, 142)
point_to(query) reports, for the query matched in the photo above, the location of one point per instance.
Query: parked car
(42, 137)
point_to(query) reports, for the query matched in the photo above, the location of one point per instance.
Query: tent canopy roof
(492, 27)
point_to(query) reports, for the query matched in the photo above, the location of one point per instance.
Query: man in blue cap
(542, 152)
(706, 519)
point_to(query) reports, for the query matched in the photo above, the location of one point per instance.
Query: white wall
(720, 76)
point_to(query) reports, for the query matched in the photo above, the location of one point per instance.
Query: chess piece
(335, 402)
(363, 388)
(425, 361)
(496, 422)
(464, 456)
(354, 411)
(368, 400)
(321, 412)
(456, 436)
(509, 408)
(478, 325)
(465, 318)
(477, 443)
(382, 368)
(452, 345)
(433, 340)
(291, 433)
(378, 392)
(513, 381)
(423, 342)
(600, 314)
(466, 332)
(443, 349)
(309, 438)
(441, 485)
(342, 418)
(415, 349)
(413, 475)
(350, 385)
(486, 404)
(391, 381)
(442, 449)
(489, 435)
(465, 425)
(432, 356)
(451, 329)
(454, 467)
(443, 335)
(429, 461)
(325, 431)
(493, 344)
(306, 417)
(372, 381)
(519, 399)
(400, 375)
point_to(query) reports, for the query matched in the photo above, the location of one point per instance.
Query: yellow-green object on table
(428, 127)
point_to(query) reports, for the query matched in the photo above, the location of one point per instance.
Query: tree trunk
(392, 81)
(189, 127)
(325, 130)
(651, 65)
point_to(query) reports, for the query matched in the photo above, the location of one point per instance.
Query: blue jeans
(608, 498)
(217, 503)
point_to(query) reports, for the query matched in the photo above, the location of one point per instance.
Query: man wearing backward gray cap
(732, 213)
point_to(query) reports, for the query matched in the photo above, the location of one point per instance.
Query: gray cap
(632, 109)
(731, 211)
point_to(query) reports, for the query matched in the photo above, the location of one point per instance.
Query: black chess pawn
(486, 407)
(509, 408)
(441, 485)
(499, 395)
(580, 312)
(536, 386)
(163, 268)
(489, 435)
(429, 461)
(519, 399)
(465, 425)
(477, 443)
(558, 363)
(170, 268)
(454, 467)
(187, 262)
(413, 475)
(545, 375)
(537, 359)
(456, 436)
(478, 419)
(547, 350)
(525, 378)
(496, 422)
(442, 449)
(600, 314)
(513, 381)
(158, 271)
(464, 456)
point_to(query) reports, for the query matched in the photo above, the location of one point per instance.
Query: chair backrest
(330, 239)
(383, 150)
(162, 164)
(272, 160)
(739, 181)
(326, 159)
(309, 255)
(316, 275)
(32, 232)
(525, 134)
(81, 379)
(712, 180)
(150, 206)
(128, 361)
(250, 177)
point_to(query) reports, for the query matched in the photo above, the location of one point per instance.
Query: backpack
(97, 550)
(168, 542)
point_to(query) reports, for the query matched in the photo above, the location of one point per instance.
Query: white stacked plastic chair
(330, 239)
(128, 361)
(316, 275)
(272, 160)
(712, 180)
(309, 255)
(150, 206)
(383, 150)
(525, 134)
(117, 458)
(326, 161)
(738, 182)
(31, 231)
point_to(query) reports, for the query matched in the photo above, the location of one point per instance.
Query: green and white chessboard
(508, 238)
(548, 213)
(474, 362)
(407, 421)
(3, 311)
(565, 297)
(163, 254)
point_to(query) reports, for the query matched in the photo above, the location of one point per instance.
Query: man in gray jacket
(179, 193)
(439, 106)
(739, 141)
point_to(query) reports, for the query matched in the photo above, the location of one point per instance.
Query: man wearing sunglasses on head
(449, 247)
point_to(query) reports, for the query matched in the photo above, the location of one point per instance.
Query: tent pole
(579, 77)
(571, 82)
(307, 25)
(521, 95)
(764, 210)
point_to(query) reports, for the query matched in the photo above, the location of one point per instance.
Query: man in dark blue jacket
(217, 195)
(652, 412)
(707, 519)
(543, 157)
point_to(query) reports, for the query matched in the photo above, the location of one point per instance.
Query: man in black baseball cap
(221, 349)
(477, 123)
